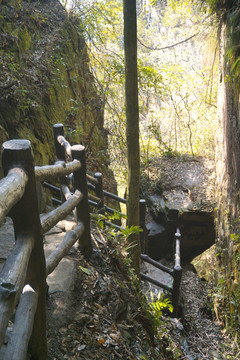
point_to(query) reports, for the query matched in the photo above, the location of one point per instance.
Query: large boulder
(186, 201)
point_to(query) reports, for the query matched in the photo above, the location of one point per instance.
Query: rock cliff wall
(228, 193)
(45, 79)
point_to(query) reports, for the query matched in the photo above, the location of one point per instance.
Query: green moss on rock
(46, 80)
(25, 41)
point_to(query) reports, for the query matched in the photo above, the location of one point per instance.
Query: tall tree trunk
(132, 127)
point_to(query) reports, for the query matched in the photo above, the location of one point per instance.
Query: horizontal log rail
(155, 282)
(114, 197)
(63, 248)
(91, 178)
(53, 217)
(65, 191)
(60, 168)
(158, 265)
(12, 188)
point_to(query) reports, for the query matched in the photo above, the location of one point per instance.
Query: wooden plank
(23, 325)
(53, 217)
(63, 248)
(11, 190)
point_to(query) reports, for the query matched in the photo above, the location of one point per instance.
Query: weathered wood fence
(98, 201)
(23, 285)
(176, 273)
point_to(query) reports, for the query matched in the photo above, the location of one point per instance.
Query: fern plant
(159, 303)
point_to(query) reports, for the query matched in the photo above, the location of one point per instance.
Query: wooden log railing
(176, 273)
(23, 277)
(95, 184)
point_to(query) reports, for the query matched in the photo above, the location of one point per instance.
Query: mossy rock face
(25, 40)
(46, 80)
(14, 3)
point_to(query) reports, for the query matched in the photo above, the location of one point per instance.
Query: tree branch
(169, 46)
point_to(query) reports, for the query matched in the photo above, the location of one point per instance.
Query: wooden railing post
(142, 209)
(99, 192)
(58, 130)
(82, 210)
(177, 275)
(26, 221)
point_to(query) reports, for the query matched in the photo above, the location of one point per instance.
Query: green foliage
(159, 304)
(226, 294)
(233, 51)
(177, 87)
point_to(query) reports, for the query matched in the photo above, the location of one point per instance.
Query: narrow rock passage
(199, 333)
(202, 336)
(196, 332)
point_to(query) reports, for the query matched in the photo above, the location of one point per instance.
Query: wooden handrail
(12, 188)
(53, 217)
(60, 168)
(155, 282)
(114, 197)
(63, 248)
(26, 263)
(176, 273)
(91, 178)
(158, 265)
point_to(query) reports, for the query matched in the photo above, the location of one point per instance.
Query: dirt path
(95, 313)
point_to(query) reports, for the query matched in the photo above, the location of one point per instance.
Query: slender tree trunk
(132, 127)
